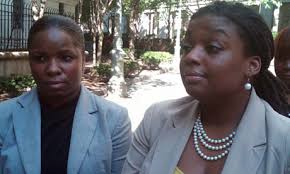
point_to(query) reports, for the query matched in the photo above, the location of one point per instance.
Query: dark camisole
(56, 127)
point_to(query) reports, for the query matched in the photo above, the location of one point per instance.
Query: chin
(195, 93)
(57, 94)
(48, 92)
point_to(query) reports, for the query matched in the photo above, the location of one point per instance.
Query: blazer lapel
(26, 120)
(249, 144)
(83, 130)
(173, 139)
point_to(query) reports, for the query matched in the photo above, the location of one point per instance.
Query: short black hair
(63, 23)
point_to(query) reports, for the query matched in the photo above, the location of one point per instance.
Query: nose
(53, 67)
(195, 55)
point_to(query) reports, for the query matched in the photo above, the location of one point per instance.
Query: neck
(226, 112)
(54, 102)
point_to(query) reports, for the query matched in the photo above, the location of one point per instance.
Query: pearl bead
(199, 135)
(247, 86)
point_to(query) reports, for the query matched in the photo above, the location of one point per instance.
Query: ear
(253, 66)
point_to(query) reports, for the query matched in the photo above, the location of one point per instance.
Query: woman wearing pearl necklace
(231, 122)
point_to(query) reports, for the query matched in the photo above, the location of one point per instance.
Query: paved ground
(148, 88)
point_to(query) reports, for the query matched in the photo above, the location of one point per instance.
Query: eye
(38, 58)
(213, 48)
(185, 48)
(67, 58)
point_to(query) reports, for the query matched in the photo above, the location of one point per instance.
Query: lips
(193, 76)
(54, 84)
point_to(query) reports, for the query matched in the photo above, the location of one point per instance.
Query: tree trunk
(37, 11)
(34, 9)
(80, 7)
(133, 18)
(93, 28)
(177, 39)
(131, 32)
(98, 9)
(94, 50)
(100, 26)
(197, 4)
(100, 47)
(42, 7)
(169, 22)
(117, 84)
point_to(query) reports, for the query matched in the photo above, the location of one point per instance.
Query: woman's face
(282, 68)
(213, 63)
(56, 63)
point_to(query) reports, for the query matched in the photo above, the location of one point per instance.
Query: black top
(56, 127)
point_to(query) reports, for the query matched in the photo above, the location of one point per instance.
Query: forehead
(52, 36)
(283, 46)
(55, 34)
(283, 54)
(210, 25)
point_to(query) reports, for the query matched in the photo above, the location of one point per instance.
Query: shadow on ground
(146, 81)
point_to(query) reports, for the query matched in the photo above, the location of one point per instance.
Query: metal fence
(15, 22)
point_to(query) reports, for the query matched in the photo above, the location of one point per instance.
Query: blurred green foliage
(153, 58)
(16, 84)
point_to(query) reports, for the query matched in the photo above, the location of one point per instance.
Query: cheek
(227, 76)
(181, 64)
(36, 70)
(279, 66)
(74, 71)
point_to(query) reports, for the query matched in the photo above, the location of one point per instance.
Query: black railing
(15, 22)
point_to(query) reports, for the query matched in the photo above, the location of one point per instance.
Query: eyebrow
(61, 51)
(222, 32)
(35, 52)
(66, 50)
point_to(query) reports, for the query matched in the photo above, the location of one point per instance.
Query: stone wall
(14, 63)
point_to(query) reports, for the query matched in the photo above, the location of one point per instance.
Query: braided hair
(258, 41)
(63, 23)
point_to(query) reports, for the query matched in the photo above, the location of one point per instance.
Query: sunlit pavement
(149, 87)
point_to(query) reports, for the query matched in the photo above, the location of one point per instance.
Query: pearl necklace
(211, 144)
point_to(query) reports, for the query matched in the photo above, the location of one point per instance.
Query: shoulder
(162, 113)
(277, 123)
(99, 103)
(166, 109)
(6, 110)
(7, 105)
(278, 132)
(107, 106)
(110, 113)
(174, 103)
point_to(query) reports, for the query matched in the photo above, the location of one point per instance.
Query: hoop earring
(248, 85)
